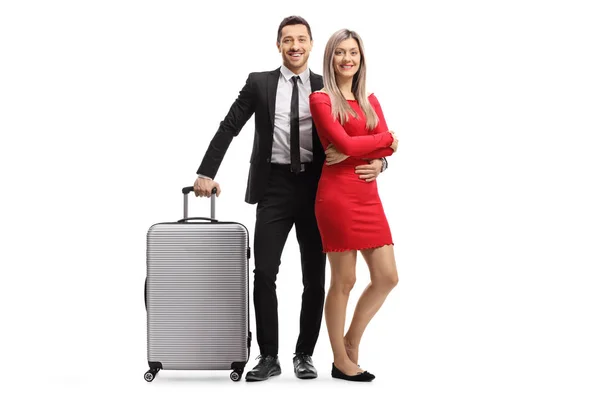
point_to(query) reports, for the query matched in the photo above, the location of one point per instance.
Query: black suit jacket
(256, 97)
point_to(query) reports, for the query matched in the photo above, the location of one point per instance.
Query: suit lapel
(272, 79)
(316, 83)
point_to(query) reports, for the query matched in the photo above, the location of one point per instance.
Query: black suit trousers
(289, 200)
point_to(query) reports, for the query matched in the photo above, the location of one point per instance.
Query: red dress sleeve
(332, 131)
(381, 127)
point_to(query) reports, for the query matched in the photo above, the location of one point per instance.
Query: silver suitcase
(196, 295)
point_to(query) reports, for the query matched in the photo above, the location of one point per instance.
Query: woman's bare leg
(343, 277)
(384, 277)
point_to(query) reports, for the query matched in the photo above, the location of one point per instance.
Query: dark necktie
(295, 128)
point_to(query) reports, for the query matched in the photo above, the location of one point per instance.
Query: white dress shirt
(281, 133)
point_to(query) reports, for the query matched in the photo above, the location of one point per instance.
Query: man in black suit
(285, 167)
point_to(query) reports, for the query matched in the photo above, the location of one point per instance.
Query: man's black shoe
(304, 367)
(267, 367)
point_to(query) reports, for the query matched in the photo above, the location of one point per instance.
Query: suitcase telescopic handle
(186, 190)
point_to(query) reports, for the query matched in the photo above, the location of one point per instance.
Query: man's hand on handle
(203, 187)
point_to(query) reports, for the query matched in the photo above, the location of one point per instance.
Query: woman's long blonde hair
(339, 106)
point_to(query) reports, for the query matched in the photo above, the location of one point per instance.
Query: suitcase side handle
(186, 190)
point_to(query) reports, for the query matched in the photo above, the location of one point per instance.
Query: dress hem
(340, 250)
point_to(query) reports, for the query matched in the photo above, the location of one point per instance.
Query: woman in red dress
(349, 213)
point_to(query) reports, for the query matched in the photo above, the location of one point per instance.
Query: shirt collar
(287, 74)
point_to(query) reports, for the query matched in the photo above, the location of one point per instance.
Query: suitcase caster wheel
(236, 375)
(150, 375)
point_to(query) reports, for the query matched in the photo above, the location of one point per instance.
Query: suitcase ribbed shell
(197, 295)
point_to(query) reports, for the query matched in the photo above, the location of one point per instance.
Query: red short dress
(348, 209)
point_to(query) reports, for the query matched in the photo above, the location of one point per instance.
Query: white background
(107, 107)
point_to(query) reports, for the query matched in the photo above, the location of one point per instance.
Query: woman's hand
(333, 156)
(394, 144)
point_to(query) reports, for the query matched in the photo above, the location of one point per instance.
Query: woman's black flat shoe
(362, 377)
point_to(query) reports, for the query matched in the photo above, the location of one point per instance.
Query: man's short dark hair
(293, 20)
